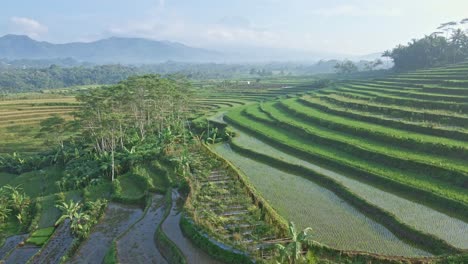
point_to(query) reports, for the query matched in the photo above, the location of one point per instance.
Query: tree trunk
(113, 161)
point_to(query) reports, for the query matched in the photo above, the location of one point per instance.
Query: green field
(399, 143)
(335, 222)
(21, 114)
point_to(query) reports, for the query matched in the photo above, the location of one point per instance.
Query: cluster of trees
(263, 72)
(442, 47)
(125, 123)
(35, 76)
(35, 79)
(120, 116)
(40, 63)
(349, 67)
(346, 67)
(116, 127)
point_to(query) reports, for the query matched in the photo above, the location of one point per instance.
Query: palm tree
(292, 253)
(69, 211)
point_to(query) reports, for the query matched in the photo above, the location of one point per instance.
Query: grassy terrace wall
(397, 124)
(400, 159)
(270, 214)
(426, 197)
(200, 236)
(190, 230)
(403, 231)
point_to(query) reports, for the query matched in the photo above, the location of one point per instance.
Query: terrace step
(231, 213)
(227, 180)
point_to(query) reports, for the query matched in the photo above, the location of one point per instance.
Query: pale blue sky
(347, 27)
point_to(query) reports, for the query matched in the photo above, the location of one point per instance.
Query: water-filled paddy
(335, 223)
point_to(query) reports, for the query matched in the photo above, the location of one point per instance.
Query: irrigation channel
(302, 201)
(171, 228)
(117, 219)
(137, 245)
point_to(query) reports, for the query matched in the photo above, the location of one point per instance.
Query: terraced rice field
(19, 119)
(117, 219)
(220, 204)
(399, 143)
(137, 245)
(171, 228)
(308, 204)
(209, 103)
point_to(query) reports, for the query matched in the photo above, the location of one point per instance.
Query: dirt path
(10, 244)
(171, 228)
(137, 245)
(58, 245)
(117, 219)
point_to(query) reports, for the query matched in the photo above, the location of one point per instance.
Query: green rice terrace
(377, 168)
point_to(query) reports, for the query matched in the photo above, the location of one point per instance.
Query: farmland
(20, 118)
(396, 144)
(376, 167)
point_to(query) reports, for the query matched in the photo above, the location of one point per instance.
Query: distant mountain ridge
(110, 50)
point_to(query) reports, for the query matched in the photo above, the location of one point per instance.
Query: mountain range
(110, 50)
(146, 51)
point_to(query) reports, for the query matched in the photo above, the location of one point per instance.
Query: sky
(355, 27)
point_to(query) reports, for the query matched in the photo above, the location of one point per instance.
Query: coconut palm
(292, 252)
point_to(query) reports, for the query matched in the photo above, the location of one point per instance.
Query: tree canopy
(433, 50)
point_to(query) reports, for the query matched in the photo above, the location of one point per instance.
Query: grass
(49, 212)
(425, 128)
(5, 178)
(413, 214)
(94, 192)
(20, 115)
(39, 183)
(132, 188)
(40, 236)
(346, 136)
(307, 204)
(333, 156)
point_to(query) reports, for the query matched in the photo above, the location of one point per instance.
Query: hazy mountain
(111, 50)
(145, 51)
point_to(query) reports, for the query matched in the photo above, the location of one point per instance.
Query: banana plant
(292, 252)
(69, 211)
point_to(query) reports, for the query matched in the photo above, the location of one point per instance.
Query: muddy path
(10, 244)
(117, 219)
(138, 245)
(171, 228)
(58, 245)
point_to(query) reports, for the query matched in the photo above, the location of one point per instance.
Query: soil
(21, 254)
(117, 219)
(10, 244)
(138, 245)
(171, 228)
(57, 247)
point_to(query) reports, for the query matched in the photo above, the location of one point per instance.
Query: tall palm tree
(292, 253)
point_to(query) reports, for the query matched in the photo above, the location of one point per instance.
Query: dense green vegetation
(433, 50)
